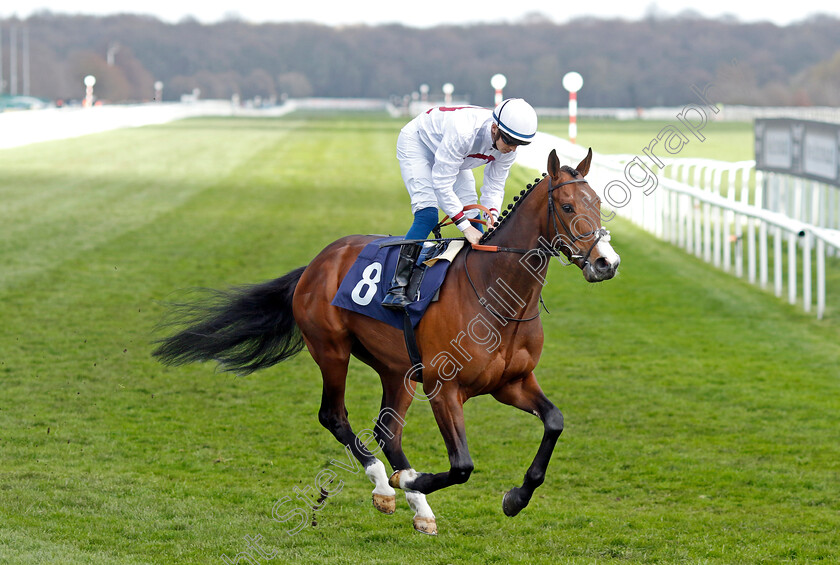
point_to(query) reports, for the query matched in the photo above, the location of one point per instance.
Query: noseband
(554, 217)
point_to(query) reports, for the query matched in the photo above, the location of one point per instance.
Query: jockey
(436, 151)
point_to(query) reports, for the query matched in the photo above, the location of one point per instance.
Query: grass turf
(726, 141)
(702, 413)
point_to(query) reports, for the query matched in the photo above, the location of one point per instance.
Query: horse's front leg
(527, 395)
(448, 409)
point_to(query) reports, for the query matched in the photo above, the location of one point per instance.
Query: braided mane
(570, 170)
(517, 200)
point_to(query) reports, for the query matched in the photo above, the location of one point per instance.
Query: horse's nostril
(601, 265)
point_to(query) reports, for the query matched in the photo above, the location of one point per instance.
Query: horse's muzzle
(601, 269)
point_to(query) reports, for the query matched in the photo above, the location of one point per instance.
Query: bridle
(554, 217)
(546, 249)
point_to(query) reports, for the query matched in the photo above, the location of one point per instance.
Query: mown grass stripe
(701, 413)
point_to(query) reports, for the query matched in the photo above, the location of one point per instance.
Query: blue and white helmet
(517, 119)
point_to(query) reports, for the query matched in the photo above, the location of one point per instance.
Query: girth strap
(413, 350)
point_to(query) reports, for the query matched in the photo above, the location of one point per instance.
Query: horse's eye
(568, 208)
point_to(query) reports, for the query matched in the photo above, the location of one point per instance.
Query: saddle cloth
(368, 280)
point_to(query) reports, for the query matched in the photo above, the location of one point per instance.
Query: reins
(493, 310)
(446, 221)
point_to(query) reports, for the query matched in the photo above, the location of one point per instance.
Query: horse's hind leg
(391, 419)
(396, 399)
(448, 409)
(333, 359)
(527, 395)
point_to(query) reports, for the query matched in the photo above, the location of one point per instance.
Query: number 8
(370, 276)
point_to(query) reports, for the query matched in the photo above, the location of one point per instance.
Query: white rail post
(707, 232)
(806, 271)
(746, 171)
(662, 217)
(717, 180)
(777, 261)
(676, 217)
(739, 246)
(718, 226)
(796, 193)
(698, 228)
(774, 201)
(751, 259)
(657, 206)
(708, 178)
(636, 211)
(820, 278)
(748, 223)
(792, 268)
(800, 199)
(763, 258)
(758, 197)
(690, 220)
(731, 231)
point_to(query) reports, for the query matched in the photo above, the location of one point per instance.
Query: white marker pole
(90, 80)
(498, 82)
(448, 89)
(572, 82)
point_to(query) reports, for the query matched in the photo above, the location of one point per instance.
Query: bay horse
(482, 336)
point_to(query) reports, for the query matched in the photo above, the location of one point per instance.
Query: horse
(482, 336)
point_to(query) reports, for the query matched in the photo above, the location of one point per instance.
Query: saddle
(366, 283)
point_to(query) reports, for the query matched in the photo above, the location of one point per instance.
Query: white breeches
(416, 162)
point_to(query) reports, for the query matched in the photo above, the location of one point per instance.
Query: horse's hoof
(510, 505)
(394, 479)
(426, 526)
(385, 503)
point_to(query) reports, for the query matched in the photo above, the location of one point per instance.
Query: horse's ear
(553, 164)
(583, 166)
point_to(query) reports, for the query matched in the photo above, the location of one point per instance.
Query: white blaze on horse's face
(608, 255)
(601, 261)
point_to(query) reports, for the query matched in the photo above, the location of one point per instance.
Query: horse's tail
(244, 329)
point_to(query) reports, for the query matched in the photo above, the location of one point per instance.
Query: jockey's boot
(396, 298)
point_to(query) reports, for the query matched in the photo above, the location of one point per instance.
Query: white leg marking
(424, 518)
(379, 477)
(417, 502)
(384, 496)
(407, 476)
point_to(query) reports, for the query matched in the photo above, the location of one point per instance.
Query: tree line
(649, 62)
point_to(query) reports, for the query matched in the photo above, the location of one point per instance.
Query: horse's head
(574, 216)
